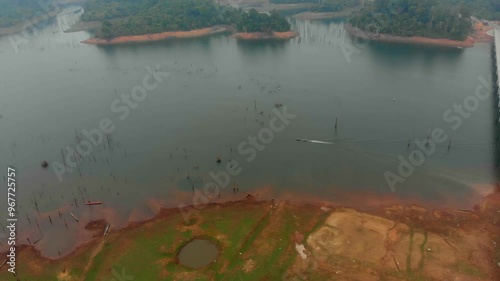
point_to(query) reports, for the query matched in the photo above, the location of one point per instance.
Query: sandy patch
(352, 234)
(263, 35)
(157, 36)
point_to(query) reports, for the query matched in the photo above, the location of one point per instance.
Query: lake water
(218, 93)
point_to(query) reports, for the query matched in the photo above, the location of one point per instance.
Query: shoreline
(79, 235)
(364, 202)
(415, 40)
(297, 234)
(158, 36)
(207, 31)
(265, 36)
(487, 209)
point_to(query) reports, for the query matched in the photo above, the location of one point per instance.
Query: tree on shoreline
(253, 21)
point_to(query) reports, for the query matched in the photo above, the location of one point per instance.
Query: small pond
(198, 253)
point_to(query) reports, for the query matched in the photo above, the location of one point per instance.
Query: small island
(142, 21)
(413, 21)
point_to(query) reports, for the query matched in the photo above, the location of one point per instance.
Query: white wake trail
(320, 142)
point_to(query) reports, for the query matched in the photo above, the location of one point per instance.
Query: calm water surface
(220, 92)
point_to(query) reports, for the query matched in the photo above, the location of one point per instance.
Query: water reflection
(253, 48)
(429, 56)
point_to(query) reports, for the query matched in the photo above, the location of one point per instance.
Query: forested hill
(155, 16)
(137, 17)
(426, 18)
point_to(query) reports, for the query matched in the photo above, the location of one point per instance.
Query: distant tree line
(414, 18)
(13, 12)
(132, 17)
(323, 5)
(293, 1)
(335, 5)
(482, 9)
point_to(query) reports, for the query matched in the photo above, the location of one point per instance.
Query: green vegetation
(335, 5)
(323, 5)
(482, 9)
(165, 15)
(424, 18)
(122, 18)
(293, 1)
(254, 21)
(100, 10)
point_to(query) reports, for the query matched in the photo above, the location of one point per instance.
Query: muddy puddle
(198, 253)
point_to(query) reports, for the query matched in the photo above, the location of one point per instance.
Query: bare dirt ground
(370, 247)
(480, 33)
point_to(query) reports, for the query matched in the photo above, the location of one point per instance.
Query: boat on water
(90, 203)
(314, 141)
